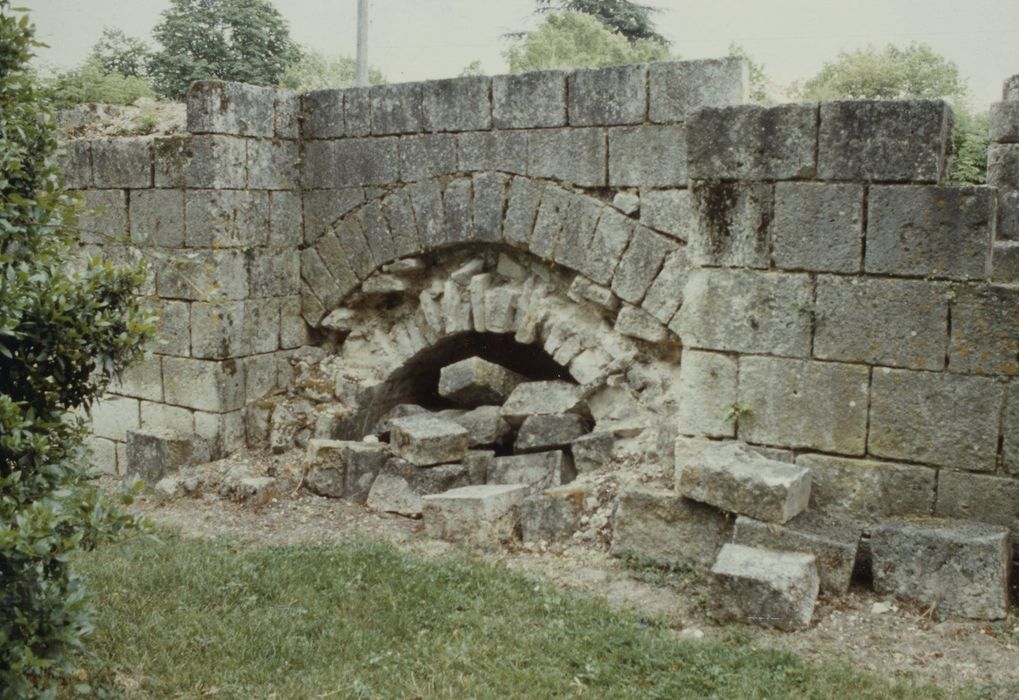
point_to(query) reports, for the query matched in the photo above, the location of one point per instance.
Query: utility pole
(362, 42)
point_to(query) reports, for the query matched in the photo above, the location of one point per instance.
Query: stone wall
(818, 288)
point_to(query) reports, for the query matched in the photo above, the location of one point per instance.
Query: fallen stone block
(553, 514)
(384, 425)
(735, 479)
(256, 490)
(424, 439)
(593, 451)
(153, 454)
(833, 544)
(956, 567)
(662, 527)
(400, 485)
(763, 587)
(486, 514)
(538, 470)
(474, 382)
(478, 463)
(484, 425)
(543, 398)
(549, 432)
(344, 468)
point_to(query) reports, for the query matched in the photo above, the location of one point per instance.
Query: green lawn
(189, 618)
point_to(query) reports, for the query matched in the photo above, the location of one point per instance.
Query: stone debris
(763, 587)
(549, 432)
(627, 202)
(478, 515)
(400, 485)
(553, 514)
(485, 425)
(538, 470)
(542, 398)
(425, 439)
(475, 382)
(593, 451)
(384, 424)
(153, 454)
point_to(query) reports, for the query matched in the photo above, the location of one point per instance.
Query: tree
(632, 20)
(63, 336)
(575, 40)
(318, 71)
(116, 52)
(90, 82)
(242, 40)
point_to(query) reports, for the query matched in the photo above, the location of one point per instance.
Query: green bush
(63, 336)
(90, 82)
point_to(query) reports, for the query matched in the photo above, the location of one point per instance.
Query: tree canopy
(116, 52)
(630, 19)
(319, 71)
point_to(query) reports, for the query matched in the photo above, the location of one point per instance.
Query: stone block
(731, 477)
(224, 433)
(349, 244)
(746, 311)
(156, 416)
(552, 515)
(202, 275)
(224, 218)
(122, 162)
(173, 329)
(426, 156)
(818, 227)
(201, 162)
(916, 416)
(537, 470)
(458, 207)
(157, 218)
(376, 232)
(929, 231)
(206, 385)
(985, 331)
(707, 393)
(647, 156)
(1003, 165)
(474, 382)
(640, 264)
(1010, 89)
(668, 529)
(832, 543)
(396, 109)
(574, 156)
(484, 425)
(801, 403)
(426, 199)
(286, 114)
(583, 289)
(505, 151)
(549, 432)
(323, 208)
(1005, 262)
(542, 398)
(76, 164)
(399, 212)
(425, 440)
(152, 454)
(901, 323)
(593, 451)
(478, 462)
(989, 499)
(1003, 125)
(678, 88)
(529, 100)
(501, 309)
(954, 567)
(273, 165)
(577, 226)
(763, 587)
(322, 112)
(350, 163)
(626, 201)
(273, 273)
(319, 283)
(733, 224)
(490, 191)
(234, 329)
(105, 218)
(357, 111)
(552, 216)
(218, 107)
(114, 416)
(665, 295)
(1010, 428)
(606, 96)
(480, 515)
(400, 485)
(144, 378)
(457, 104)
(668, 211)
(637, 323)
(885, 140)
(869, 490)
(751, 142)
(102, 454)
(363, 462)
(521, 211)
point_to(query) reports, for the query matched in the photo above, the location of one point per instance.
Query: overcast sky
(422, 39)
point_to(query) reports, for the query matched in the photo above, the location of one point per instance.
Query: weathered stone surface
(207, 385)
(745, 311)
(989, 499)
(818, 227)
(1003, 165)
(376, 232)
(668, 211)
(985, 330)
(323, 208)
(285, 225)
(457, 205)
(217, 218)
(322, 112)
(613, 95)
(647, 156)
(273, 165)
(537, 470)
(201, 162)
(929, 231)
(122, 162)
(400, 485)
(521, 211)
(362, 463)
(731, 477)
(505, 151)
(490, 191)
(477, 463)
(627, 202)
(902, 323)
(1003, 126)
(733, 224)
(832, 543)
(396, 109)
(665, 295)
(1010, 446)
(915, 416)
(955, 567)
(549, 432)
(157, 218)
(350, 163)
(427, 156)
(762, 587)
(457, 104)
(542, 398)
(327, 468)
(234, 329)
(640, 264)
(869, 490)
(357, 111)
(1005, 262)
(217, 107)
(1010, 89)
(529, 100)
(637, 323)
(663, 527)
(486, 514)
(424, 439)
(576, 231)
(583, 289)
(76, 164)
(484, 424)
(885, 141)
(114, 416)
(426, 197)
(273, 273)
(154, 453)
(105, 219)
(750, 142)
(593, 451)
(678, 88)
(144, 378)
(575, 156)
(707, 392)
(551, 515)
(800, 403)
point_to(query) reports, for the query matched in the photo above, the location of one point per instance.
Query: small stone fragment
(474, 382)
(627, 202)
(549, 432)
(424, 439)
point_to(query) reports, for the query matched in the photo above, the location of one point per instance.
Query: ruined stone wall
(818, 290)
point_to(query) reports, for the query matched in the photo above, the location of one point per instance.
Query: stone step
(425, 439)
(475, 382)
(537, 470)
(486, 514)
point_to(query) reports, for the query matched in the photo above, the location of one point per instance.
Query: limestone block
(114, 416)
(478, 462)
(1005, 262)
(484, 425)
(552, 216)
(105, 219)
(234, 329)
(593, 451)
(273, 165)
(955, 567)
(529, 100)
(549, 432)
(285, 229)
(207, 385)
(583, 289)
(733, 224)
(626, 201)
(399, 212)
(759, 586)
(745, 311)
(929, 231)
(989, 499)
(320, 283)
(884, 140)
(678, 88)
(400, 485)
(474, 382)
(286, 115)
(707, 392)
(738, 480)
(102, 454)
(504, 151)
(122, 162)
(423, 439)
(376, 232)
(551, 515)
(427, 156)
(327, 468)
(273, 273)
(201, 162)
(869, 490)
(751, 142)
(260, 375)
(218, 107)
(323, 208)
(76, 164)
(500, 309)
(537, 470)
(613, 95)
(574, 156)
(640, 264)
(426, 198)
(152, 454)
(521, 211)
(350, 162)
(542, 398)
(985, 331)
(160, 415)
(458, 207)
(396, 109)
(662, 527)
(173, 329)
(323, 114)
(637, 323)
(665, 295)
(489, 200)
(1003, 126)
(457, 104)
(832, 543)
(668, 211)
(577, 226)
(202, 275)
(1010, 90)
(915, 416)
(1010, 446)
(1002, 165)
(357, 111)
(144, 378)
(818, 226)
(222, 432)
(350, 244)
(222, 218)
(363, 462)
(486, 514)
(647, 156)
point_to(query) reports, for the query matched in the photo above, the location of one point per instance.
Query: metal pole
(362, 42)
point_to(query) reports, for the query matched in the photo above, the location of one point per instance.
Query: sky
(425, 39)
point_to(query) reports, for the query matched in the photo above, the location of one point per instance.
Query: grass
(190, 618)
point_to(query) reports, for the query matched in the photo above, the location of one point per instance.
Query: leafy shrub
(318, 71)
(90, 82)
